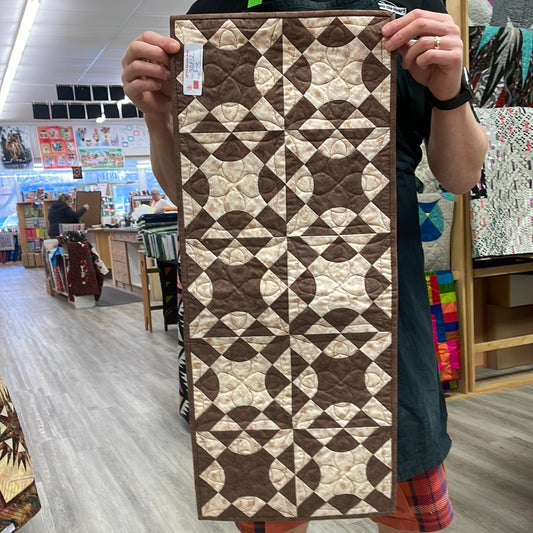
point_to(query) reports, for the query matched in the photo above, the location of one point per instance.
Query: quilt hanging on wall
(501, 222)
(501, 66)
(445, 325)
(517, 13)
(19, 500)
(287, 228)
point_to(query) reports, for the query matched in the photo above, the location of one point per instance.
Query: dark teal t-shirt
(422, 442)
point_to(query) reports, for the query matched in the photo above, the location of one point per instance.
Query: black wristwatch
(464, 96)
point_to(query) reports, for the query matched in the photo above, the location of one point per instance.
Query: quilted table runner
(285, 137)
(19, 501)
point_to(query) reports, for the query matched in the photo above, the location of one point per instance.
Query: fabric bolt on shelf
(287, 226)
(19, 500)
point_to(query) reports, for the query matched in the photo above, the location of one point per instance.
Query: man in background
(158, 203)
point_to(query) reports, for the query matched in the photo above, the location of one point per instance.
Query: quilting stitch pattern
(287, 224)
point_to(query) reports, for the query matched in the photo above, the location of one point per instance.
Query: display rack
(58, 267)
(9, 246)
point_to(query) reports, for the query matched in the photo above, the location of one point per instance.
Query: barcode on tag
(192, 68)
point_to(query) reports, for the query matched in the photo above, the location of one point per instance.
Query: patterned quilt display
(435, 214)
(501, 66)
(19, 501)
(445, 323)
(285, 139)
(501, 222)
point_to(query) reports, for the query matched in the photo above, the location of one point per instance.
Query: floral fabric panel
(287, 227)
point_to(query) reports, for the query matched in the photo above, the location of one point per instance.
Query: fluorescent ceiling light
(26, 23)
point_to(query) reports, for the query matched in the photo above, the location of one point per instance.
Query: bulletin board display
(94, 199)
(57, 145)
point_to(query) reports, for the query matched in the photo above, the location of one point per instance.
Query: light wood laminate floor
(97, 396)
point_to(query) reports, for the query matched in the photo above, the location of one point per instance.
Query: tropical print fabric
(501, 69)
(19, 501)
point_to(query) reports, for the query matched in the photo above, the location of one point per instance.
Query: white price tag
(192, 68)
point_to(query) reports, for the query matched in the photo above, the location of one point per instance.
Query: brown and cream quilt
(19, 500)
(286, 144)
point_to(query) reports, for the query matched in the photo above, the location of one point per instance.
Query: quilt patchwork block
(445, 323)
(435, 215)
(286, 150)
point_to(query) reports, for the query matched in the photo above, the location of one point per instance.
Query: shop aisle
(97, 397)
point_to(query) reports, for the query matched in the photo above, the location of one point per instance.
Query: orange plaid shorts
(422, 504)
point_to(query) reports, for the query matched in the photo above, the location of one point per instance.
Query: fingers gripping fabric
(287, 223)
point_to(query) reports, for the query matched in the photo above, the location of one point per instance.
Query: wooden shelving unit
(32, 232)
(152, 298)
(471, 297)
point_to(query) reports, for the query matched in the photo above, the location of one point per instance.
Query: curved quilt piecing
(287, 227)
(435, 213)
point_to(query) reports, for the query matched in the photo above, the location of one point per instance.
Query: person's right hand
(86, 206)
(146, 72)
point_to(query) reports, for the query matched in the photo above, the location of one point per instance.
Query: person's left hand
(431, 48)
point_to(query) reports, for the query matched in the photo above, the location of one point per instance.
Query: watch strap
(465, 95)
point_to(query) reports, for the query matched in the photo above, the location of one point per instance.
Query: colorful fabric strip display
(443, 302)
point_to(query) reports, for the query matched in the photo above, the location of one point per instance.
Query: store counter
(119, 250)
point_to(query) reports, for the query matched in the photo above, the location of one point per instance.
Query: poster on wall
(16, 147)
(97, 137)
(134, 139)
(57, 146)
(101, 157)
(99, 146)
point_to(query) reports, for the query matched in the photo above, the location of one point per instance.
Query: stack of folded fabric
(159, 235)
